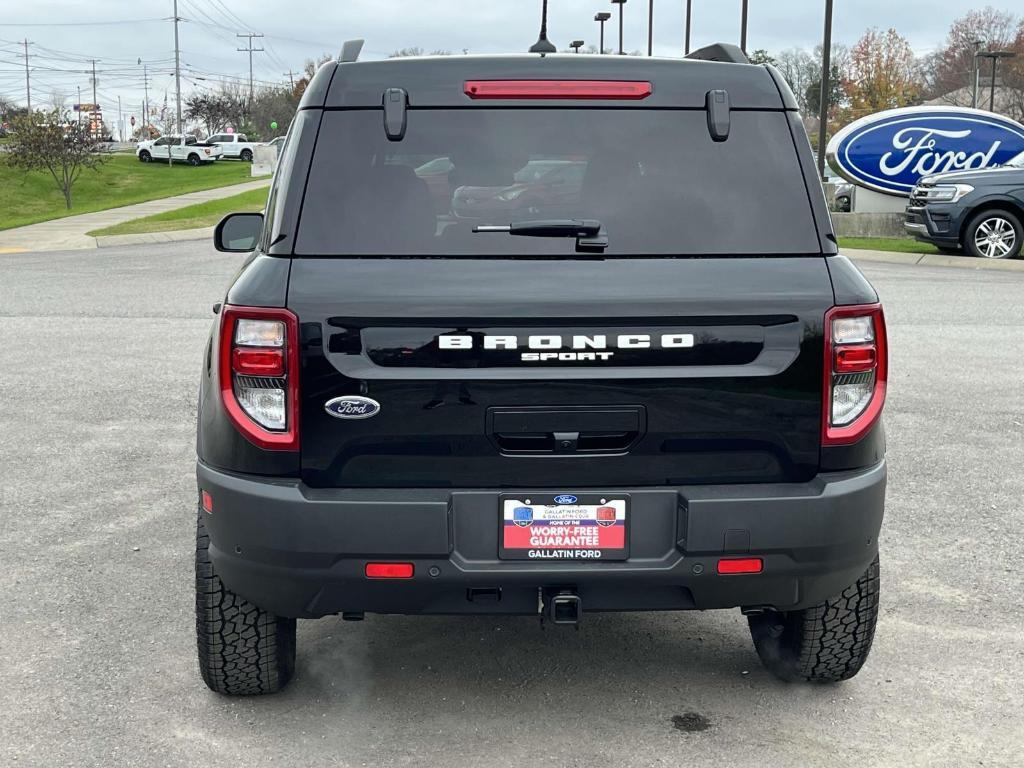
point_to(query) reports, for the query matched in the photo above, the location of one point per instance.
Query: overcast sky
(118, 32)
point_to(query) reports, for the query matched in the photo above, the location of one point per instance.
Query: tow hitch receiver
(563, 607)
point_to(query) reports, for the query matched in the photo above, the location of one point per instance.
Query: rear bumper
(301, 551)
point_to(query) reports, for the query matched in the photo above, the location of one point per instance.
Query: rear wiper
(590, 235)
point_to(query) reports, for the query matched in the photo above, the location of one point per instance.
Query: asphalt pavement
(99, 369)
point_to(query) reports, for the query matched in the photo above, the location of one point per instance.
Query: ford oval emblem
(891, 150)
(352, 407)
(565, 499)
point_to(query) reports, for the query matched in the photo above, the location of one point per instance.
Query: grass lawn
(191, 217)
(898, 244)
(27, 198)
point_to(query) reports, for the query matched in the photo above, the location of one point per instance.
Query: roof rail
(350, 50)
(720, 52)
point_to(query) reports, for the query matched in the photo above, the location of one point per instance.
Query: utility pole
(120, 122)
(743, 26)
(94, 105)
(177, 66)
(975, 73)
(826, 88)
(28, 84)
(689, 16)
(145, 100)
(250, 50)
(79, 104)
(291, 78)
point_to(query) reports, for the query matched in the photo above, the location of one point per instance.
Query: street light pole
(601, 17)
(689, 15)
(177, 69)
(650, 28)
(975, 73)
(743, 27)
(995, 56)
(620, 3)
(576, 45)
(826, 67)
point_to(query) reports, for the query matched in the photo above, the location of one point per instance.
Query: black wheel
(243, 650)
(994, 234)
(144, 156)
(843, 204)
(246, 155)
(193, 159)
(825, 643)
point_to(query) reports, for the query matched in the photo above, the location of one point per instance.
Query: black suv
(663, 395)
(981, 211)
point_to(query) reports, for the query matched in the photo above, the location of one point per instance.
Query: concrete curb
(173, 236)
(935, 260)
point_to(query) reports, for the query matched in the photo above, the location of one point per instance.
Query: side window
(190, 140)
(161, 142)
(240, 137)
(217, 138)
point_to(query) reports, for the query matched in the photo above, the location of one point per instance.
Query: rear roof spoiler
(720, 52)
(350, 50)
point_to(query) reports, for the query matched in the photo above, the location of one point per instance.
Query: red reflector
(741, 565)
(207, 502)
(557, 89)
(257, 361)
(389, 570)
(856, 358)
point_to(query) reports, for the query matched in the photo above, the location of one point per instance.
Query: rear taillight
(259, 374)
(856, 368)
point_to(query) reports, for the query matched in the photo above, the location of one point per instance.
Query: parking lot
(99, 371)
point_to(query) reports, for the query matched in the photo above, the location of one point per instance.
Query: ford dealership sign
(889, 151)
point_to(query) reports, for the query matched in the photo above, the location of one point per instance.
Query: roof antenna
(543, 45)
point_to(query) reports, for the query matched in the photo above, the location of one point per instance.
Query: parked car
(235, 145)
(278, 143)
(667, 399)
(187, 149)
(980, 211)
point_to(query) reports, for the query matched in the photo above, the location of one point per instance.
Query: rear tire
(1005, 229)
(246, 156)
(243, 650)
(825, 643)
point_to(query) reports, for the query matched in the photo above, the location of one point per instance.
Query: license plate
(564, 527)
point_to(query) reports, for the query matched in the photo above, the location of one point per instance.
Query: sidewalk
(934, 260)
(69, 233)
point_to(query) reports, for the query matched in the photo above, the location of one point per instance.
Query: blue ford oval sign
(565, 499)
(352, 407)
(890, 151)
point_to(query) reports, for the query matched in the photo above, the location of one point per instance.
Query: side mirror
(238, 232)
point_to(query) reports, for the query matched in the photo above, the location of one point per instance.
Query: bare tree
(58, 100)
(51, 141)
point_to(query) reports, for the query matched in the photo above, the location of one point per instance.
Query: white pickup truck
(185, 149)
(235, 145)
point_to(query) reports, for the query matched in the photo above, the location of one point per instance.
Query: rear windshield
(653, 178)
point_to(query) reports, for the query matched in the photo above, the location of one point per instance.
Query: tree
(760, 56)
(213, 110)
(883, 73)
(417, 51)
(949, 70)
(53, 142)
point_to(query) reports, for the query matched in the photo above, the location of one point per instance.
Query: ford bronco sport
(658, 388)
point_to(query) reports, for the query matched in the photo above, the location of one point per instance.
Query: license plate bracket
(563, 527)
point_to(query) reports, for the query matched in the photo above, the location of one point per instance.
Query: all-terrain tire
(825, 643)
(144, 156)
(246, 156)
(243, 650)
